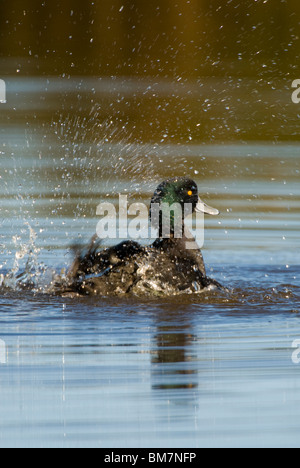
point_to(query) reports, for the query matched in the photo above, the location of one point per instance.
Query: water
(206, 370)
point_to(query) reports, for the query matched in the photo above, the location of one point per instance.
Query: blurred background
(200, 69)
(165, 38)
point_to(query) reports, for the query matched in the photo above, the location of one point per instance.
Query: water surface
(207, 370)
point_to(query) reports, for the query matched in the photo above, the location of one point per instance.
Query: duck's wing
(84, 258)
(94, 260)
(104, 272)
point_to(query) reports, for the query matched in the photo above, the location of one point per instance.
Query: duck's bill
(204, 208)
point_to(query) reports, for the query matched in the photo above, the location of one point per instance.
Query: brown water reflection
(149, 110)
(160, 38)
(172, 360)
(174, 71)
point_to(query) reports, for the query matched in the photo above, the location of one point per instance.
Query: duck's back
(166, 267)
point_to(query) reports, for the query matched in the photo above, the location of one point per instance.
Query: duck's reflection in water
(173, 359)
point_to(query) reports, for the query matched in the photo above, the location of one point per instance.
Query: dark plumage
(165, 267)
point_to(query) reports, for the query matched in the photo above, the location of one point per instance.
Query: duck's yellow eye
(190, 193)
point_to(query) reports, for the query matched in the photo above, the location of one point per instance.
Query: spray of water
(94, 158)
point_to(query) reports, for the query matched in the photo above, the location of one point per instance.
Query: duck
(173, 264)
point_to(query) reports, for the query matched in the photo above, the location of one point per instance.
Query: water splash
(108, 156)
(27, 272)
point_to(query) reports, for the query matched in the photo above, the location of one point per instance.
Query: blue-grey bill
(204, 208)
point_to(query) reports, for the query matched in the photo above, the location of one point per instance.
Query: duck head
(172, 201)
